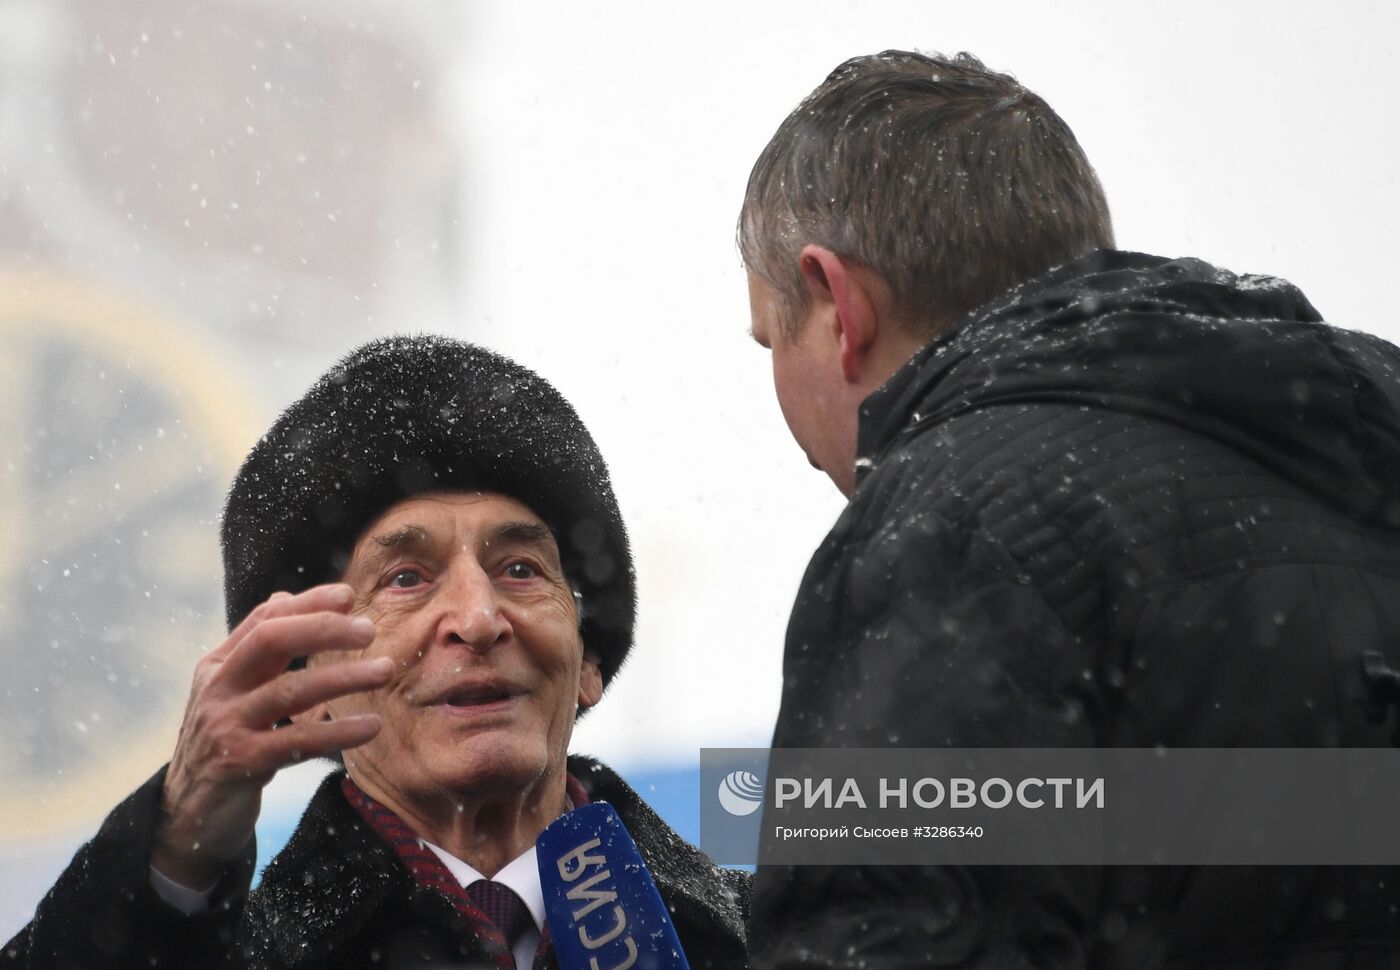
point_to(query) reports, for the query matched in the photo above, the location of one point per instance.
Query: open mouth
(472, 697)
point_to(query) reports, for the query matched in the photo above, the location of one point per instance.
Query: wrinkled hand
(229, 747)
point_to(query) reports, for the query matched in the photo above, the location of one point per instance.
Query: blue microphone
(603, 909)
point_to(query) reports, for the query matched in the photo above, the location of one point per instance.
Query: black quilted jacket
(1134, 502)
(335, 897)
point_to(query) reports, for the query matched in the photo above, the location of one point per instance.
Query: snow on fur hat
(405, 415)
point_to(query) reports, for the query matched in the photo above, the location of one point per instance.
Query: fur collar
(335, 875)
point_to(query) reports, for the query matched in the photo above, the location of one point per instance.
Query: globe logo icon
(741, 793)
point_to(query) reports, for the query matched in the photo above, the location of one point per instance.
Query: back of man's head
(951, 181)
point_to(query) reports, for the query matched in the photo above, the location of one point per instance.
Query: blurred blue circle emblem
(741, 793)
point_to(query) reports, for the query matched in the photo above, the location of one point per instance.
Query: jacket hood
(1243, 359)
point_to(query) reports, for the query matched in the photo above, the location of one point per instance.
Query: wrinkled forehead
(476, 503)
(444, 520)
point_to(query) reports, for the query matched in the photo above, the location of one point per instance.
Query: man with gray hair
(1096, 498)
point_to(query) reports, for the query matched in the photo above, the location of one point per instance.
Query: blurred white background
(201, 206)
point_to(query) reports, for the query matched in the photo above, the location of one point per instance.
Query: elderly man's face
(470, 602)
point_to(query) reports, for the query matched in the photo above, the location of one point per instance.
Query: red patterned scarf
(428, 870)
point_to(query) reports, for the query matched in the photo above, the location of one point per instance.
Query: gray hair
(951, 181)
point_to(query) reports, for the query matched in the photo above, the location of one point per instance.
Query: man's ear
(590, 683)
(319, 712)
(840, 285)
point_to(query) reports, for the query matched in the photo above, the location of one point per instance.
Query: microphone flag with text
(602, 906)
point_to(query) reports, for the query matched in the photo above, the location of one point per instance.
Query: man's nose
(471, 609)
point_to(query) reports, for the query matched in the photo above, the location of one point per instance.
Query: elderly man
(1096, 498)
(429, 541)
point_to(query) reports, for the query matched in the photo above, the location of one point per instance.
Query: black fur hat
(405, 415)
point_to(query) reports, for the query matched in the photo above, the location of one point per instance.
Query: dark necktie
(502, 907)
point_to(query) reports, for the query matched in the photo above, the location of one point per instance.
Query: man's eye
(405, 578)
(521, 570)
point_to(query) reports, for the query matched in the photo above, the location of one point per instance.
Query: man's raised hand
(230, 742)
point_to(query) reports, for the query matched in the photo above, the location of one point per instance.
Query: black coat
(335, 897)
(1132, 503)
